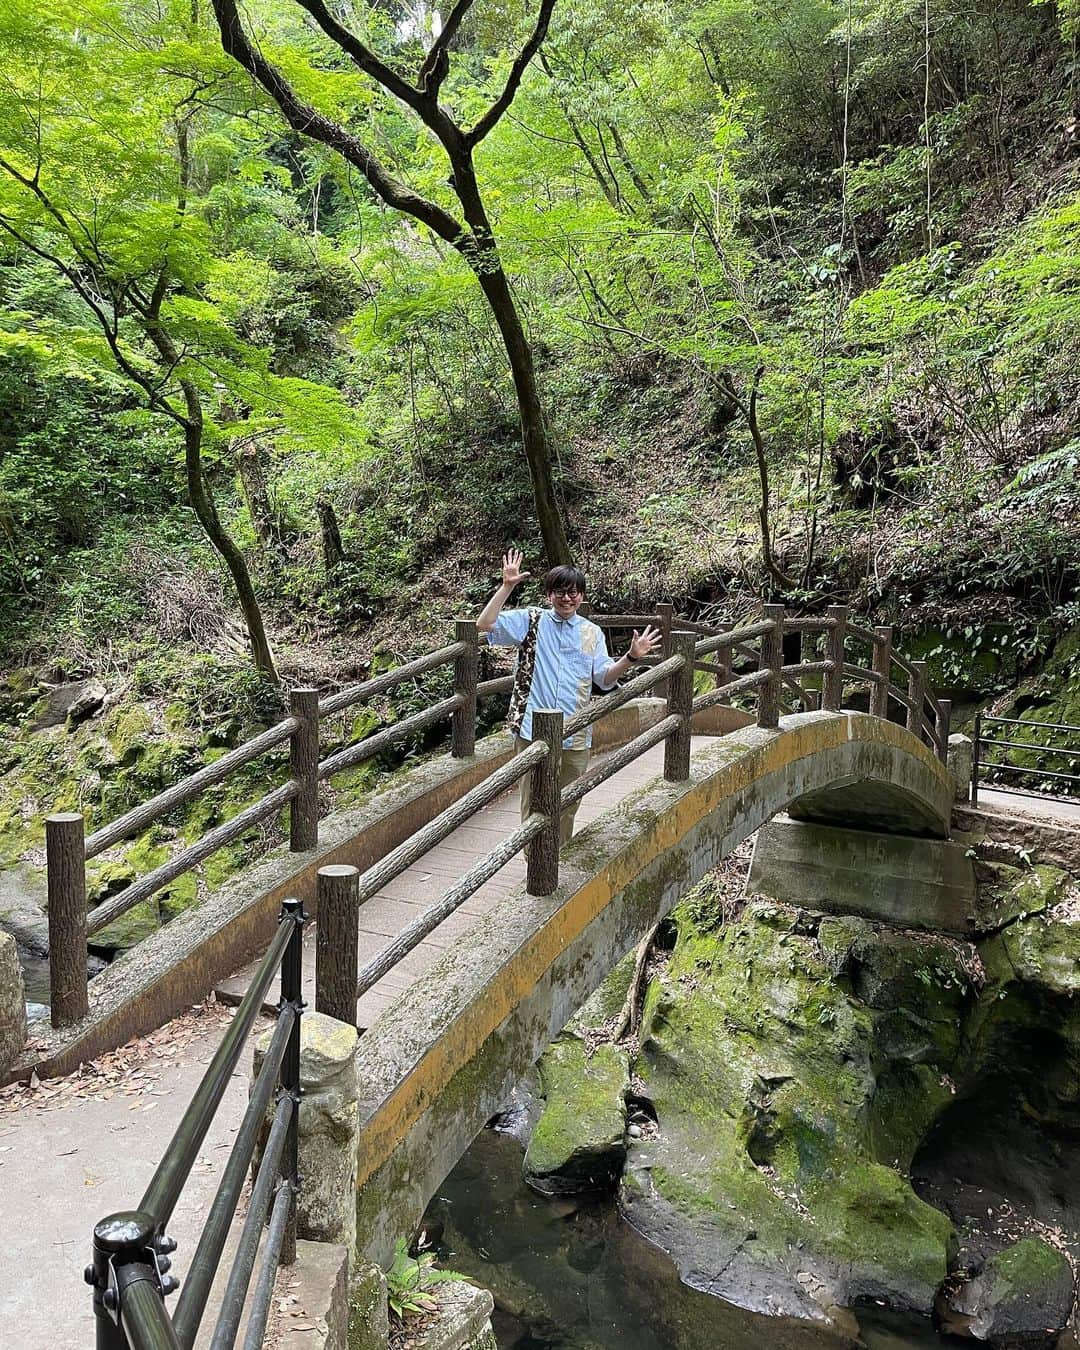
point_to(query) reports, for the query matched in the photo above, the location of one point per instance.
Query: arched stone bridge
(449, 1050)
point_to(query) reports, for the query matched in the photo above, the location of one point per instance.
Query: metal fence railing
(995, 750)
(131, 1251)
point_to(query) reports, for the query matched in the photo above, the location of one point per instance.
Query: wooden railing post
(65, 859)
(667, 616)
(832, 684)
(881, 664)
(542, 855)
(771, 658)
(463, 722)
(337, 928)
(917, 694)
(680, 703)
(942, 723)
(723, 662)
(304, 764)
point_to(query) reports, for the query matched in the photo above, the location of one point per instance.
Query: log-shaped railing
(742, 661)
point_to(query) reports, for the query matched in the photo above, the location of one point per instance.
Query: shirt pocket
(580, 664)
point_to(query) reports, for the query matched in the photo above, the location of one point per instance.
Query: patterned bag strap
(523, 674)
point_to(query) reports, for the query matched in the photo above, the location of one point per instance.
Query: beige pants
(572, 765)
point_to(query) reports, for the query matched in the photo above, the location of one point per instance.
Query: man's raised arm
(512, 576)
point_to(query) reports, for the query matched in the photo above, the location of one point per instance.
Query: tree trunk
(483, 257)
(206, 510)
(333, 549)
(253, 481)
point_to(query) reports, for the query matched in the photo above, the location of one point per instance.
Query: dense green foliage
(866, 214)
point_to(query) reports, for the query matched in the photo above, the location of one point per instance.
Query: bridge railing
(343, 890)
(723, 651)
(131, 1252)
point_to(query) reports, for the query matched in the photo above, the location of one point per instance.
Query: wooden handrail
(671, 676)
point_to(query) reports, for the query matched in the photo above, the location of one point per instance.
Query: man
(560, 656)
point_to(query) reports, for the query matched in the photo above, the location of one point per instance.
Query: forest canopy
(309, 311)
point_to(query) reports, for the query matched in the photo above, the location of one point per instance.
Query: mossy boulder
(1006, 893)
(1021, 1299)
(579, 1143)
(777, 1177)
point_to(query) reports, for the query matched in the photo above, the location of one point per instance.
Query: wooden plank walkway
(408, 895)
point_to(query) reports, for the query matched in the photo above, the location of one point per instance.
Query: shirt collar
(571, 622)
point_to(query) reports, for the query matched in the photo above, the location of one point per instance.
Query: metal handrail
(129, 1272)
(1032, 747)
(1023, 722)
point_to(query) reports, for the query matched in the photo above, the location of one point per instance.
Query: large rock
(579, 1143)
(71, 703)
(778, 1177)
(12, 1002)
(329, 1125)
(1021, 1298)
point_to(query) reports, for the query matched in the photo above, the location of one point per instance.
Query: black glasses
(567, 592)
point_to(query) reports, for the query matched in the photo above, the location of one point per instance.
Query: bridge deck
(398, 903)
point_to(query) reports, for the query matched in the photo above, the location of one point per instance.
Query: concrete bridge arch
(449, 1051)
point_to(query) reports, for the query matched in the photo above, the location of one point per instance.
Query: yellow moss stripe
(464, 1035)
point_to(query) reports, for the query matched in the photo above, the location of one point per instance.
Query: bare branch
(306, 120)
(436, 64)
(513, 80)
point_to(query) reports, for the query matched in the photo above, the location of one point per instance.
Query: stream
(571, 1276)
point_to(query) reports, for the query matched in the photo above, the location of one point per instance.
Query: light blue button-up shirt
(570, 655)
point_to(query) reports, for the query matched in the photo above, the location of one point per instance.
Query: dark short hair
(564, 576)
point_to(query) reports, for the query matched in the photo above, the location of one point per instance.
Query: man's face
(564, 600)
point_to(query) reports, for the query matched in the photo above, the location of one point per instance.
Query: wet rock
(1021, 1299)
(578, 1145)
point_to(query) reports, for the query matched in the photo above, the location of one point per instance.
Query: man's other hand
(646, 643)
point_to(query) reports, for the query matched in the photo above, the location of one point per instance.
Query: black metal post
(463, 721)
(292, 970)
(128, 1251)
